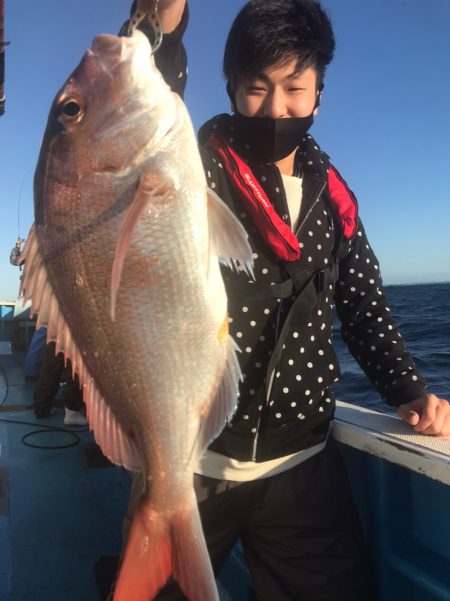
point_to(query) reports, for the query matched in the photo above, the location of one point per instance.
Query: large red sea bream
(122, 266)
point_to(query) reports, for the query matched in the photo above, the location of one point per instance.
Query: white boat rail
(387, 437)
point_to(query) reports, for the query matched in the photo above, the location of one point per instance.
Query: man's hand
(163, 4)
(428, 415)
(169, 11)
(149, 6)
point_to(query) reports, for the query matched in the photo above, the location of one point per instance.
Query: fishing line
(20, 198)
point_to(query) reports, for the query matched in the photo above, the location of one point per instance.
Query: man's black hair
(266, 33)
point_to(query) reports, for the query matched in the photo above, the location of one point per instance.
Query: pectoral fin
(152, 189)
(229, 240)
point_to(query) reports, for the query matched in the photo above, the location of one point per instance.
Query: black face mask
(272, 139)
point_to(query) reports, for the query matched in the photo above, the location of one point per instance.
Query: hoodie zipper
(272, 375)
(308, 214)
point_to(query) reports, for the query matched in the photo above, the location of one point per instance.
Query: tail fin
(161, 545)
(191, 564)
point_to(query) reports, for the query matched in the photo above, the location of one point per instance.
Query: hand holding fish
(146, 10)
(165, 4)
(163, 15)
(170, 13)
(149, 7)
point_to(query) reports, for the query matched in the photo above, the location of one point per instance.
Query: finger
(408, 415)
(436, 426)
(147, 6)
(428, 414)
(442, 411)
(445, 431)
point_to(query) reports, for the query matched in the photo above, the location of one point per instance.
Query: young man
(274, 478)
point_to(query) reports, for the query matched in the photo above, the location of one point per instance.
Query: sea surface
(422, 313)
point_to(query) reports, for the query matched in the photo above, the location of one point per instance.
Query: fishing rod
(15, 253)
(2, 57)
(17, 249)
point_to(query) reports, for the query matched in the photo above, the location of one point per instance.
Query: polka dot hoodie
(286, 399)
(286, 405)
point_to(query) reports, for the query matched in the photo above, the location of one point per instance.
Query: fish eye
(72, 109)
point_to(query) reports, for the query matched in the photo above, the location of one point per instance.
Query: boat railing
(400, 481)
(16, 326)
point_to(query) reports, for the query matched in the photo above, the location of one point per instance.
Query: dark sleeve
(170, 58)
(368, 328)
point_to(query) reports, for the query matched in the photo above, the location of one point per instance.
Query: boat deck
(61, 508)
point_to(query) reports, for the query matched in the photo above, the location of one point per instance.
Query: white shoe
(74, 418)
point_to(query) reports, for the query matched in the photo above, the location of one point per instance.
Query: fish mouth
(107, 44)
(112, 49)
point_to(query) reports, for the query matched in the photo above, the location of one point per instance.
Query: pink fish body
(122, 266)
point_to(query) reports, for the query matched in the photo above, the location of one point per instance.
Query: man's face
(278, 92)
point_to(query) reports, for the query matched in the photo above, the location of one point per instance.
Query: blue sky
(384, 117)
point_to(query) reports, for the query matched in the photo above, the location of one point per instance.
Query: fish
(123, 266)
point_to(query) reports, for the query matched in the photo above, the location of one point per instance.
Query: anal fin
(223, 405)
(36, 286)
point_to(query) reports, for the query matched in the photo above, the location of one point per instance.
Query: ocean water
(422, 313)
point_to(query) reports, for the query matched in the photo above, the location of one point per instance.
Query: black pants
(52, 372)
(299, 530)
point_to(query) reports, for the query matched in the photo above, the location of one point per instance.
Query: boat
(62, 502)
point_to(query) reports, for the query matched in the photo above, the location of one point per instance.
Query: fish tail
(147, 562)
(159, 546)
(191, 564)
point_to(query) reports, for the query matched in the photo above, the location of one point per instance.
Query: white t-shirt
(293, 187)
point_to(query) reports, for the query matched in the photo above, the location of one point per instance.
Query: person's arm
(170, 13)
(170, 58)
(369, 329)
(373, 338)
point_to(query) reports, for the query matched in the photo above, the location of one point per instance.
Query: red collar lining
(277, 234)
